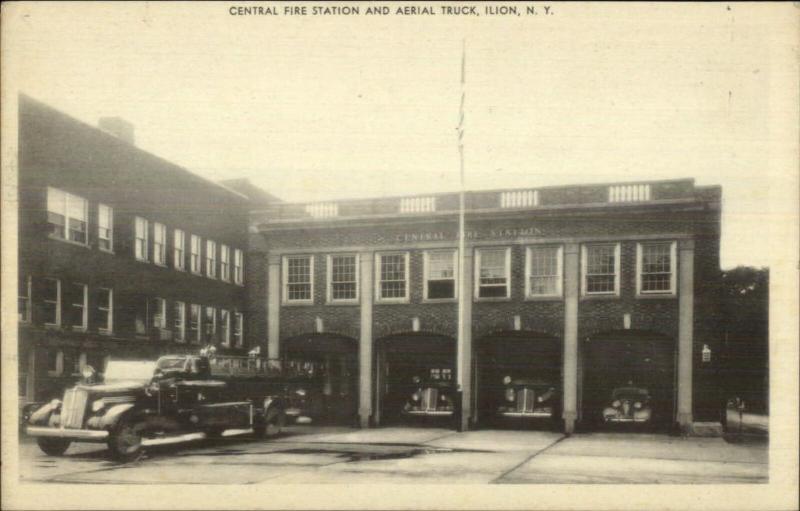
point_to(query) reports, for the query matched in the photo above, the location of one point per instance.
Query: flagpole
(462, 292)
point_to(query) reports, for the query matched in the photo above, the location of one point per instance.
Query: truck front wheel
(53, 446)
(273, 423)
(125, 442)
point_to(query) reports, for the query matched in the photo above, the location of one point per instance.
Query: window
(493, 277)
(210, 323)
(194, 323)
(55, 363)
(158, 313)
(238, 329)
(600, 269)
(440, 281)
(342, 278)
(51, 302)
(24, 299)
(393, 277)
(195, 254)
(225, 263)
(543, 271)
(105, 227)
(180, 321)
(655, 268)
(78, 298)
(159, 243)
(179, 250)
(67, 216)
(142, 240)
(141, 319)
(238, 266)
(105, 310)
(297, 273)
(225, 327)
(211, 259)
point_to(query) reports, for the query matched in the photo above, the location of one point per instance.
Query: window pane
(493, 266)
(544, 273)
(601, 268)
(656, 267)
(441, 289)
(440, 265)
(343, 277)
(298, 278)
(393, 276)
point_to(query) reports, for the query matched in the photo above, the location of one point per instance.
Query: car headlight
(442, 398)
(98, 405)
(637, 405)
(88, 374)
(300, 392)
(509, 394)
(415, 396)
(506, 380)
(616, 403)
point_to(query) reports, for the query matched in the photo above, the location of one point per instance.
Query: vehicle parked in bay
(630, 404)
(431, 394)
(529, 398)
(320, 391)
(139, 401)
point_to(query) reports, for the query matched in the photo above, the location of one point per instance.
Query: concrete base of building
(705, 429)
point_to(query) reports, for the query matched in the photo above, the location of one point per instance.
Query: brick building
(595, 282)
(121, 253)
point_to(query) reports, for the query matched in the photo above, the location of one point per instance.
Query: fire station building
(591, 290)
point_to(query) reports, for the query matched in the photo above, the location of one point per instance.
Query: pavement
(309, 454)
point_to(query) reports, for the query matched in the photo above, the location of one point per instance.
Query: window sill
(549, 298)
(146, 261)
(196, 273)
(340, 303)
(160, 265)
(609, 296)
(384, 301)
(656, 296)
(105, 332)
(439, 300)
(297, 303)
(69, 242)
(493, 299)
(79, 329)
(52, 326)
(106, 250)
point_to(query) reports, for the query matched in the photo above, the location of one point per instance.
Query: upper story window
(179, 318)
(51, 302)
(493, 269)
(655, 268)
(78, 298)
(543, 271)
(298, 284)
(67, 216)
(238, 329)
(104, 297)
(142, 238)
(211, 259)
(238, 266)
(24, 299)
(105, 227)
(194, 323)
(342, 278)
(225, 263)
(159, 243)
(194, 254)
(392, 277)
(600, 264)
(440, 274)
(225, 327)
(179, 250)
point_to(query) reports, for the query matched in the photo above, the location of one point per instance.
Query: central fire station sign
(511, 233)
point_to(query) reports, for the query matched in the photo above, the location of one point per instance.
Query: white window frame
(617, 269)
(559, 277)
(225, 263)
(195, 258)
(159, 247)
(426, 274)
(198, 333)
(84, 306)
(211, 259)
(59, 365)
(378, 263)
(109, 327)
(477, 286)
(225, 327)
(179, 321)
(28, 283)
(285, 275)
(65, 212)
(109, 227)
(179, 250)
(163, 313)
(238, 329)
(673, 266)
(57, 303)
(213, 335)
(238, 266)
(329, 277)
(145, 240)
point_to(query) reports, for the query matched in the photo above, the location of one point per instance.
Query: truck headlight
(98, 405)
(616, 403)
(506, 380)
(509, 394)
(637, 405)
(415, 396)
(89, 374)
(300, 392)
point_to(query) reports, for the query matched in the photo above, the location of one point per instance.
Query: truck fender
(42, 415)
(272, 401)
(112, 416)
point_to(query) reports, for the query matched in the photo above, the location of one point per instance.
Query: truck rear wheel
(125, 442)
(53, 446)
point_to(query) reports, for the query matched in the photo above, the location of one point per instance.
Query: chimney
(118, 127)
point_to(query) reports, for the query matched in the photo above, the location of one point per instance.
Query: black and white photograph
(400, 255)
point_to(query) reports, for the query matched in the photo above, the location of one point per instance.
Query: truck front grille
(525, 400)
(73, 408)
(429, 399)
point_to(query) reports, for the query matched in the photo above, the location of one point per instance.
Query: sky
(327, 107)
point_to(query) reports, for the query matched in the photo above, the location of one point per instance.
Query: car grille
(73, 408)
(429, 399)
(525, 400)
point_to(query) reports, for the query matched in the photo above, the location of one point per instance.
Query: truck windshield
(129, 370)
